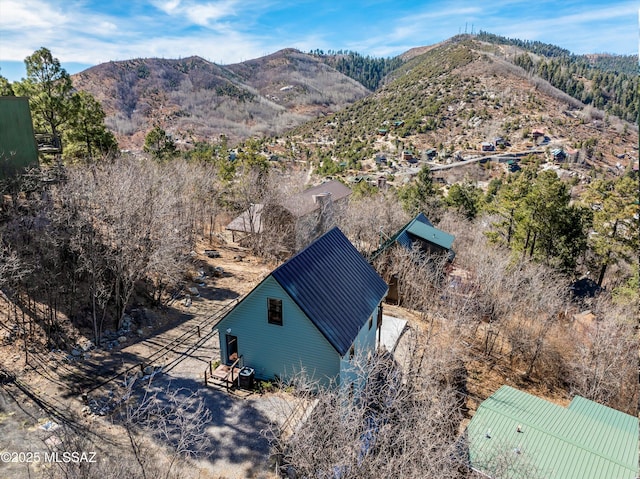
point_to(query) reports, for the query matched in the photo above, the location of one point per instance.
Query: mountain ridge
(197, 100)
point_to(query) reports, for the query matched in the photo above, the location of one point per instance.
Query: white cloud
(226, 31)
(211, 12)
(167, 7)
(198, 13)
(26, 14)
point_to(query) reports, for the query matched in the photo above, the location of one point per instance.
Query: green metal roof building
(514, 434)
(419, 230)
(18, 148)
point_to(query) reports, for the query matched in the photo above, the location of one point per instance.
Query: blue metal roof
(334, 286)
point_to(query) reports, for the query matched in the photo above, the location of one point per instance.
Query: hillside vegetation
(196, 100)
(367, 70)
(99, 251)
(463, 92)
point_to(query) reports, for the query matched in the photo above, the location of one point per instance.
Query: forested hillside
(459, 94)
(196, 100)
(369, 71)
(607, 82)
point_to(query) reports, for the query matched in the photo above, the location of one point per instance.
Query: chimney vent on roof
(322, 198)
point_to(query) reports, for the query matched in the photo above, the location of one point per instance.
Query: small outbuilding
(314, 314)
(487, 146)
(420, 234)
(558, 154)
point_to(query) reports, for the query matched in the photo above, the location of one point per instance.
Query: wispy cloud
(202, 14)
(27, 14)
(229, 31)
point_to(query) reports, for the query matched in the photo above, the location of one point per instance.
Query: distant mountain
(194, 100)
(452, 94)
(451, 98)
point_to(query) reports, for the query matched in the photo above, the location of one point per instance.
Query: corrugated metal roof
(585, 440)
(430, 234)
(304, 203)
(18, 149)
(249, 221)
(402, 236)
(335, 287)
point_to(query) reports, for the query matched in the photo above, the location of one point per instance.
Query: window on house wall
(274, 311)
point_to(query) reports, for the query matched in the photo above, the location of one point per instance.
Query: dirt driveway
(239, 426)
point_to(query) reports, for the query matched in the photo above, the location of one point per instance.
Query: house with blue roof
(418, 234)
(315, 314)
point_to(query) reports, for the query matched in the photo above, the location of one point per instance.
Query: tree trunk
(533, 244)
(603, 270)
(510, 230)
(605, 263)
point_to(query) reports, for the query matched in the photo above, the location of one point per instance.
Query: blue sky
(82, 33)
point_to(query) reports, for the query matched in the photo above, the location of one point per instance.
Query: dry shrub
(402, 422)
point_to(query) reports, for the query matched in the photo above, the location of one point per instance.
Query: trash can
(245, 378)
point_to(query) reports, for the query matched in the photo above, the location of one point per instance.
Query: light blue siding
(364, 346)
(274, 350)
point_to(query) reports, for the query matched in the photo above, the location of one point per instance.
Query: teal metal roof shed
(533, 438)
(418, 229)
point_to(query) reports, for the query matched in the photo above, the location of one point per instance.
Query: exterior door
(232, 348)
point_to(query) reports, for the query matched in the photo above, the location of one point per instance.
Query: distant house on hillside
(18, 147)
(418, 234)
(315, 313)
(407, 155)
(430, 153)
(487, 146)
(380, 159)
(558, 154)
(300, 218)
(533, 437)
(535, 134)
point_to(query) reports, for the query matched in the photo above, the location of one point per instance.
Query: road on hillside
(504, 156)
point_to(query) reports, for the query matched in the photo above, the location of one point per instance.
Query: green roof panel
(534, 438)
(431, 234)
(18, 149)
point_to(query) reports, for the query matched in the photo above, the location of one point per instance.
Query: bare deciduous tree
(401, 422)
(604, 365)
(175, 417)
